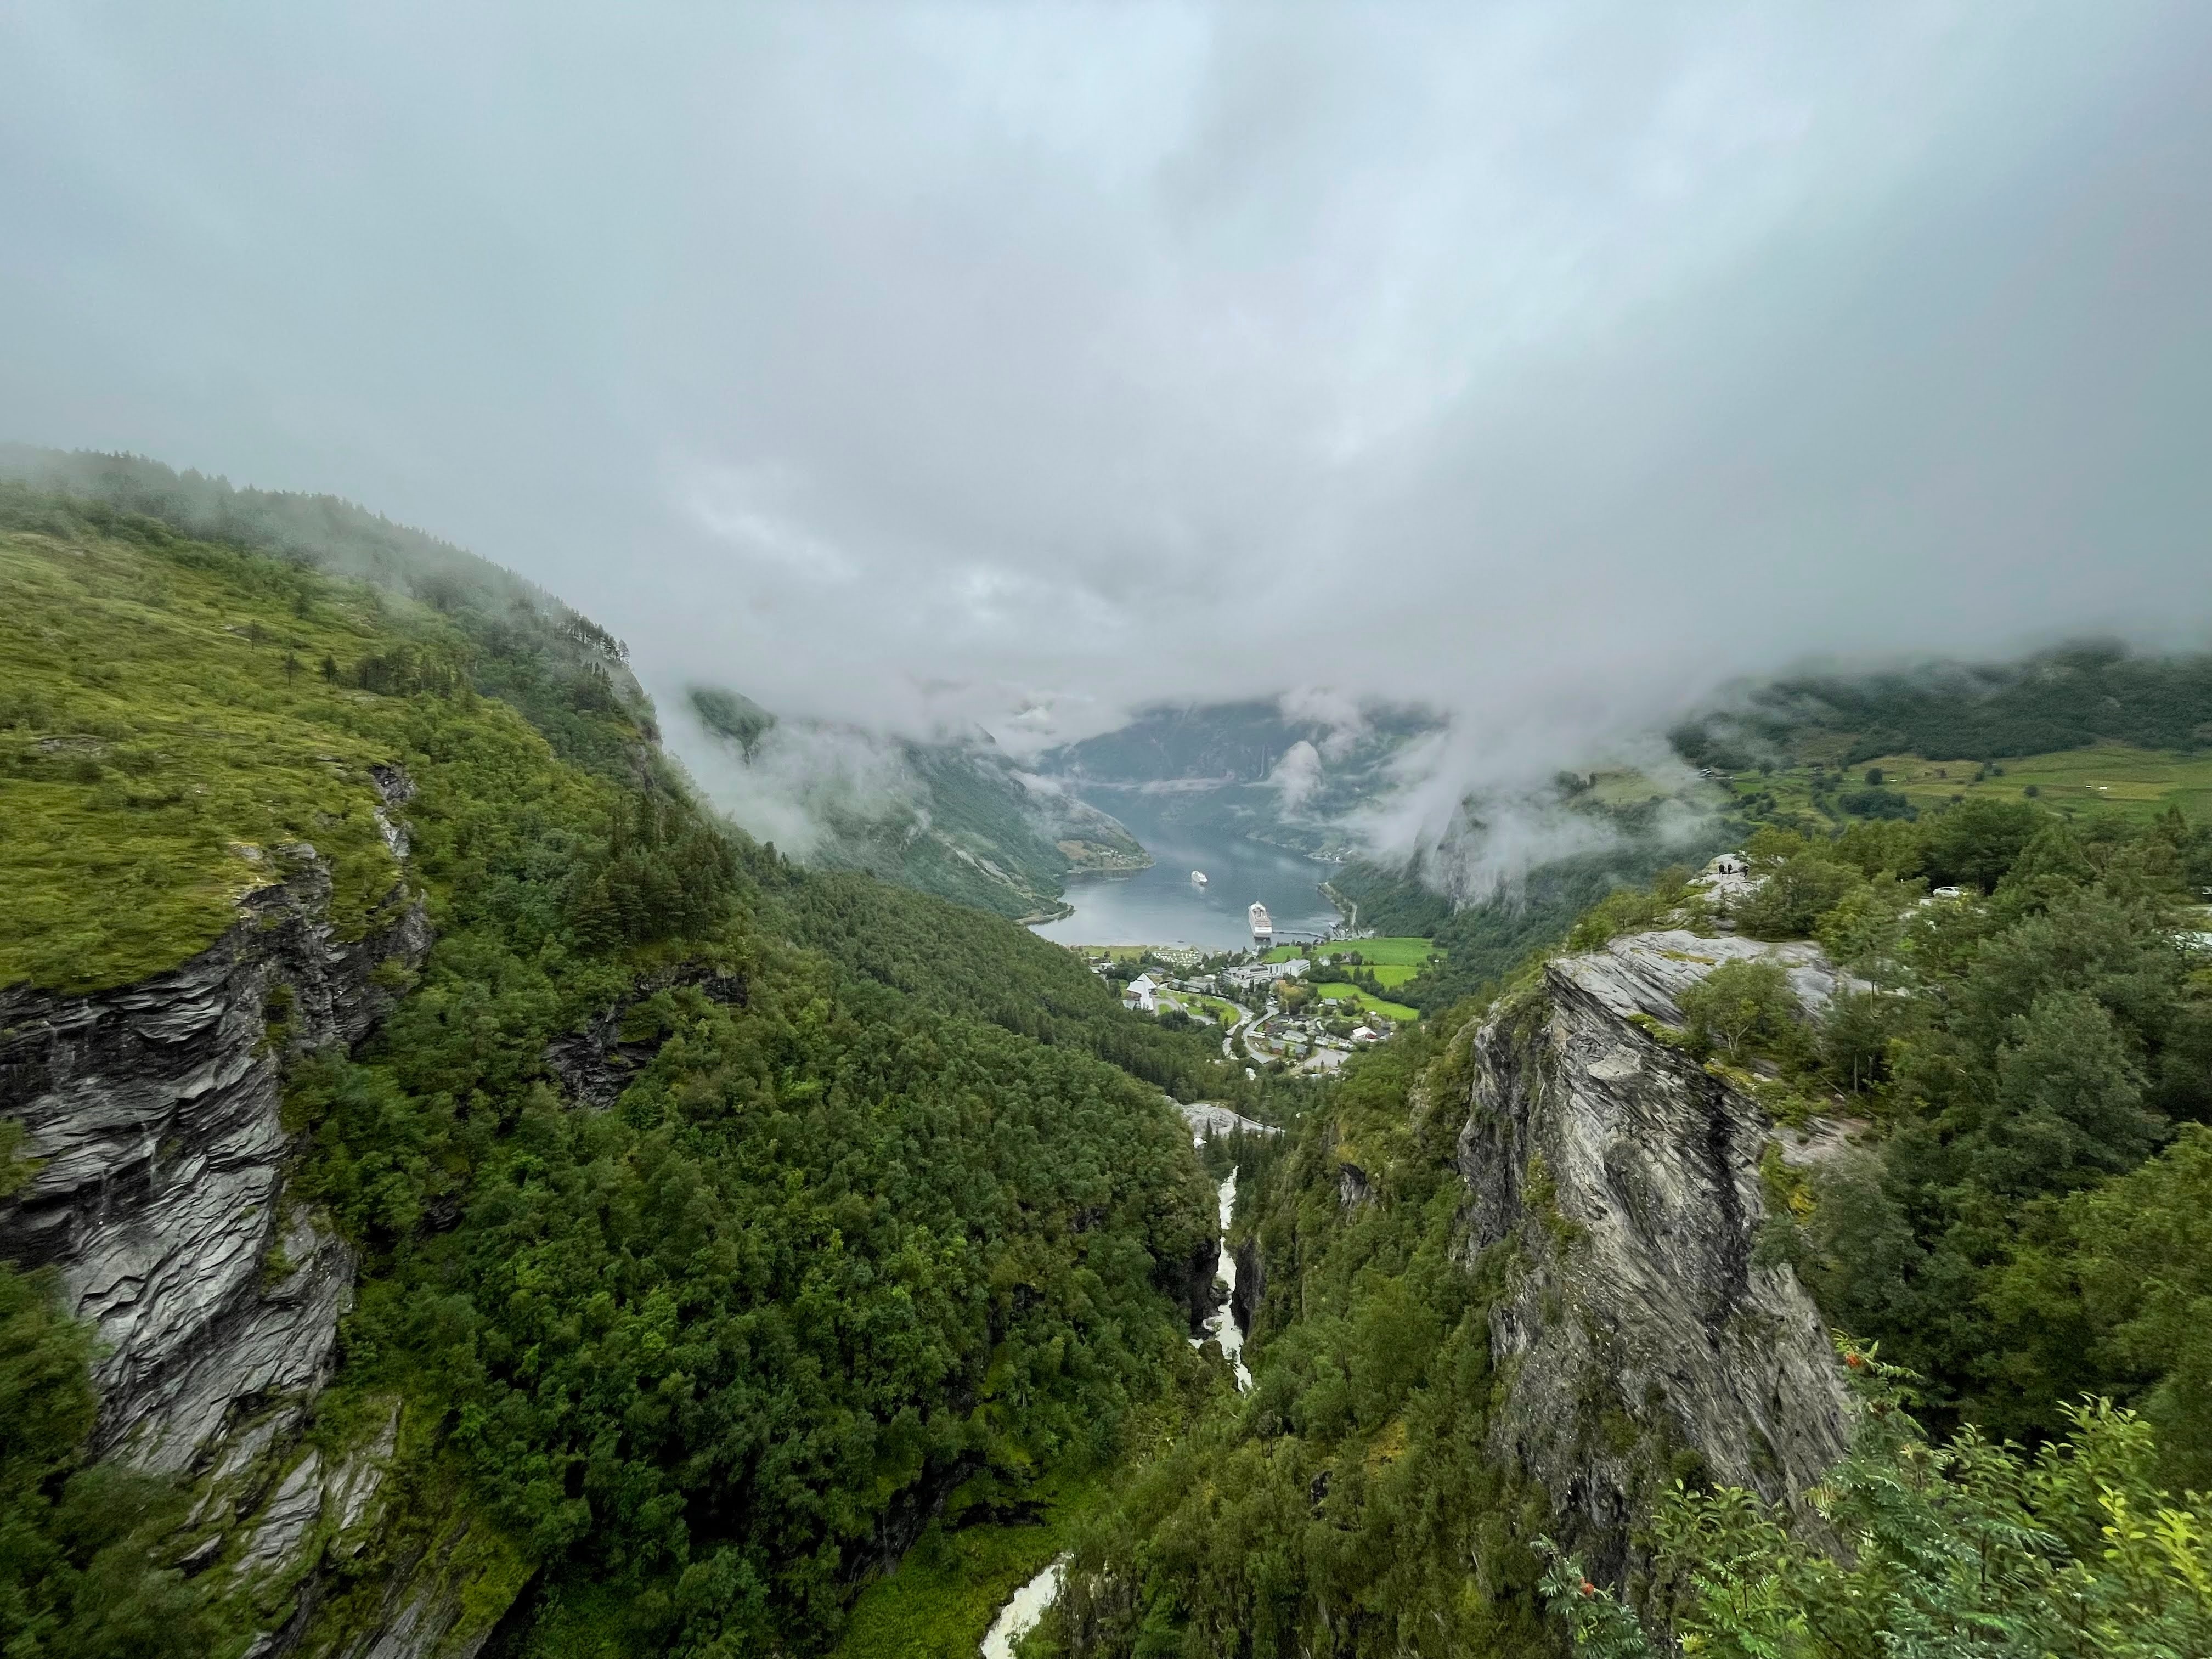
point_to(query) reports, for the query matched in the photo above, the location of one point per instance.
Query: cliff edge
(1639, 1339)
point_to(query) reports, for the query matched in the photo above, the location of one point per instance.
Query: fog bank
(1547, 364)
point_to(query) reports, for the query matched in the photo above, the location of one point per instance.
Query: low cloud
(1547, 364)
(1297, 774)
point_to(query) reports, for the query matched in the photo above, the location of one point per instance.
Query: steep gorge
(1507, 1286)
(471, 1169)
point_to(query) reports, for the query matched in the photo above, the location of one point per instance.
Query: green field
(1220, 1008)
(1396, 1011)
(944, 1593)
(1112, 952)
(1393, 960)
(2136, 783)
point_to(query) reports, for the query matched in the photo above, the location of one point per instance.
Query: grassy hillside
(2103, 779)
(564, 673)
(167, 727)
(874, 1225)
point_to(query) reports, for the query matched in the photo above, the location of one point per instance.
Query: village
(1274, 1005)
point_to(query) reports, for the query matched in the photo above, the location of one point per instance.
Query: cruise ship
(1198, 878)
(1263, 931)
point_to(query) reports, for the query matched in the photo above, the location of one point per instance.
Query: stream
(1221, 1324)
(1027, 1605)
(1019, 1616)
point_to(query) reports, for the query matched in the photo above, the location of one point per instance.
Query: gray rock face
(595, 1064)
(1638, 1339)
(153, 1113)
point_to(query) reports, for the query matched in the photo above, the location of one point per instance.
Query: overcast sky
(1550, 362)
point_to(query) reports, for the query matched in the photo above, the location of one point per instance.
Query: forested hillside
(2003, 1113)
(2062, 699)
(715, 1222)
(2089, 729)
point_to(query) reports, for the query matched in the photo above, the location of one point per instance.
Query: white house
(1140, 994)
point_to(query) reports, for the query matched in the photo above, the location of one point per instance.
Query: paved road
(1272, 1009)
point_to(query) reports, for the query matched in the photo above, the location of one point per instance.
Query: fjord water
(1161, 905)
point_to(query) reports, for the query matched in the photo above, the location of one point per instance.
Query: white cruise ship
(1263, 931)
(1198, 878)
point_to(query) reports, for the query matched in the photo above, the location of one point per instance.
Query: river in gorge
(1027, 1605)
(1163, 906)
(1221, 1325)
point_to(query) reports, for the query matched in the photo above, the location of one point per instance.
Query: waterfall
(1221, 1325)
(1019, 1616)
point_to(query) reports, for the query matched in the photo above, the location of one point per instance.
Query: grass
(2136, 783)
(155, 750)
(1394, 960)
(1394, 1012)
(943, 1595)
(1220, 1008)
(2108, 777)
(1401, 953)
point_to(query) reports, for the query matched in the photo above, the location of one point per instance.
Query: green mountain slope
(2067, 698)
(2090, 730)
(957, 819)
(716, 1220)
(561, 669)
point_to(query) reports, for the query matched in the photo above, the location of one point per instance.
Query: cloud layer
(1548, 363)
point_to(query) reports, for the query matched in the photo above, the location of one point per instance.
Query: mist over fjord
(924, 371)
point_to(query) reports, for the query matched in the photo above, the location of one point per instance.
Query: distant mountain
(1254, 769)
(956, 818)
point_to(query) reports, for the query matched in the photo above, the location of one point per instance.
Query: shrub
(1795, 894)
(1741, 1005)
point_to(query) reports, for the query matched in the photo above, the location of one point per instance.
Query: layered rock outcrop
(153, 1119)
(1614, 1182)
(153, 1114)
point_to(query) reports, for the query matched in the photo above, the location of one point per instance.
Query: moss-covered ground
(170, 714)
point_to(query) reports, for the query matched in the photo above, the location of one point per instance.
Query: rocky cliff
(1614, 1182)
(153, 1113)
(152, 1117)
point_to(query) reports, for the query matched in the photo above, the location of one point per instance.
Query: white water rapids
(1019, 1616)
(1221, 1325)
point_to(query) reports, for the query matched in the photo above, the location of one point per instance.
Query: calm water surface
(1159, 906)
